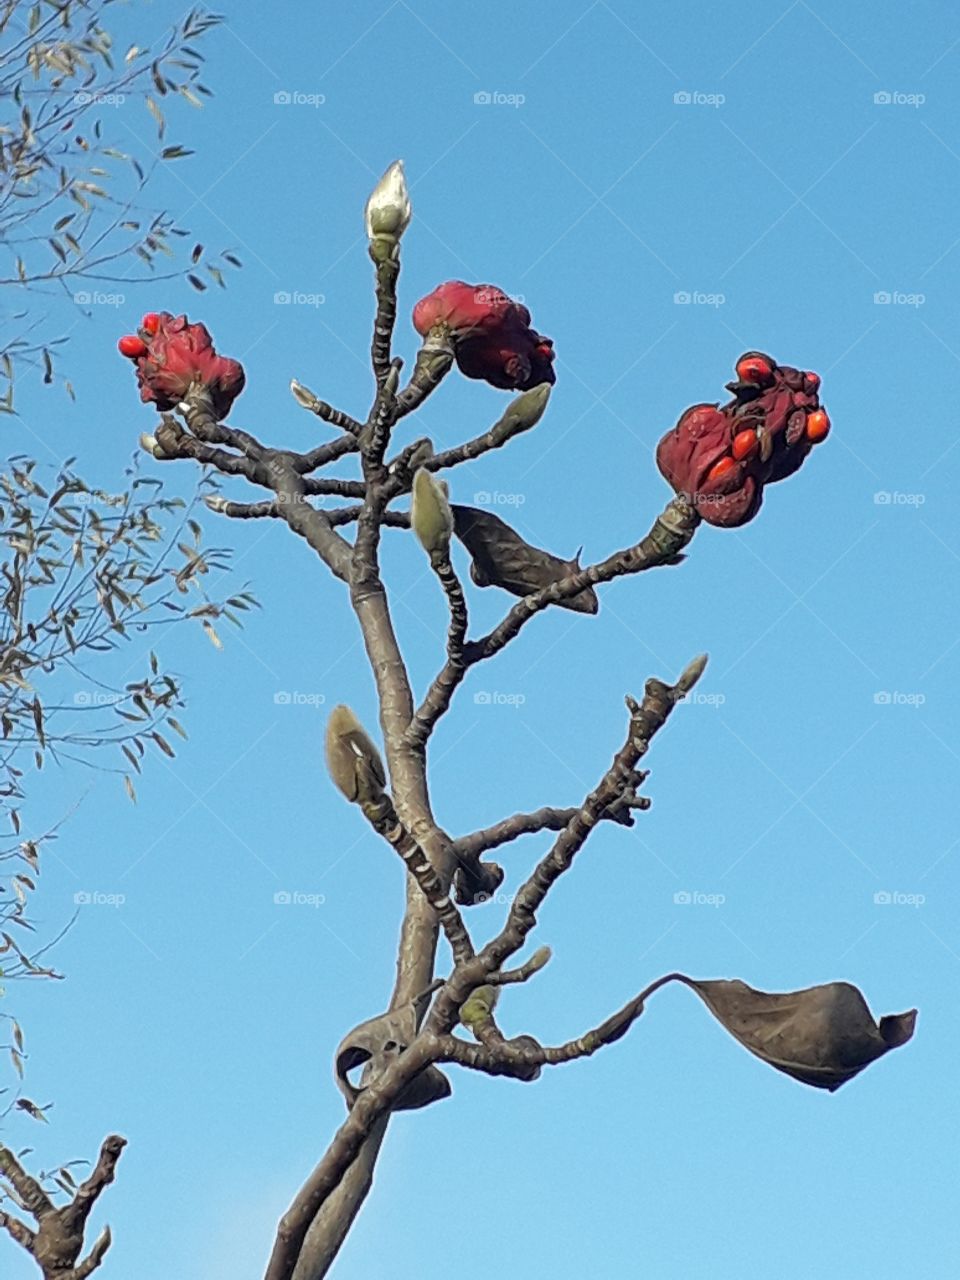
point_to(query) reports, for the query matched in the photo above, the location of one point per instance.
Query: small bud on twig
(388, 210)
(479, 1005)
(430, 513)
(352, 759)
(303, 395)
(527, 410)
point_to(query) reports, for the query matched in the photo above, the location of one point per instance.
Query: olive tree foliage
(73, 215)
(87, 564)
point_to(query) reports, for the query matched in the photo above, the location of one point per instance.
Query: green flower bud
(388, 210)
(430, 514)
(527, 410)
(479, 1005)
(352, 759)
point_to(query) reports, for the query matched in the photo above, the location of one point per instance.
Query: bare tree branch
(382, 816)
(511, 1058)
(646, 718)
(671, 532)
(544, 819)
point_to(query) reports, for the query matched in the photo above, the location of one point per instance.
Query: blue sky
(787, 200)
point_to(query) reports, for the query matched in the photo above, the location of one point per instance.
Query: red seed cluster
(721, 458)
(172, 355)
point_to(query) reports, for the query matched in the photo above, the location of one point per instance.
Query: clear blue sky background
(200, 1019)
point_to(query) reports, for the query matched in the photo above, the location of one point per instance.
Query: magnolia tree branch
(382, 816)
(434, 1042)
(646, 718)
(671, 532)
(512, 1058)
(316, 1223)
(336, 417)
(716, 460)
(545, 819)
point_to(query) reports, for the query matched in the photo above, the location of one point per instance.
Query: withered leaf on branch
(822, 1036)
(377, 1043)
(501, 558)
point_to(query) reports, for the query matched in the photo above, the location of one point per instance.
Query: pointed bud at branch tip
(430, 513)
(353, 761)
(215, 502)
(527, 410)
(540, 957)
(303, 395)
(148, 443)
(692, 673)
(388, 210)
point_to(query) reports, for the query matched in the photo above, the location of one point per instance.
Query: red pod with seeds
(172, 356)
(722, 458)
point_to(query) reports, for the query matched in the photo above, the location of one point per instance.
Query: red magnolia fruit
(491, 334)
(818, 425)
(721, 458)
(132, 346)
(173, 355)
(464, 308)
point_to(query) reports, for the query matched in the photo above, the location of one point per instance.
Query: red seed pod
(812, 381)
(818, 425)
(150, 322)
(745, 445)
(132, 346)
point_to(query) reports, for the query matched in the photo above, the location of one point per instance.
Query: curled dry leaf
(501, 558)
(822, 1036)
(377, 1043)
